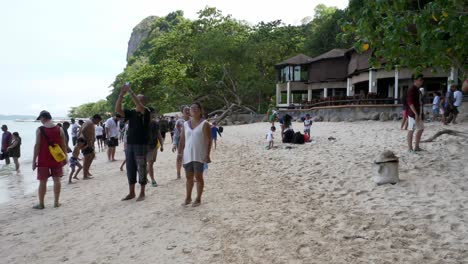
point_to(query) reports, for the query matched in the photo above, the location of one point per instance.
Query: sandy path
(313, 203)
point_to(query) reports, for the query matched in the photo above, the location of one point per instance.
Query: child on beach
(307, 125)
(269, 137)
(74, 160)
(214, 134)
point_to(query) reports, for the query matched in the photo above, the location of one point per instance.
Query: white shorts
(415, 125)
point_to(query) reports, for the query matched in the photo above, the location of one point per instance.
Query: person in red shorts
(44, 162)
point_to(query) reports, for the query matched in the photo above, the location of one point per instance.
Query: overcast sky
(56, 54)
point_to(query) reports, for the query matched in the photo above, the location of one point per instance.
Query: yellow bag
(57, 153)
(158, 145)
(54, 149)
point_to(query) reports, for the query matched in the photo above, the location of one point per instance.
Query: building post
(288, 92)
(372, 81)
(452, 78)
(309, 95)
(325, 92)
(395, 92)
(349, 87)
(278, 94)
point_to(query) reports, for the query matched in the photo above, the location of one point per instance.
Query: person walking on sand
(46, 165)
(6, 141)
(137, 140)
(214, 134)
(88, 132)
(75, 160)
(195, 148)
(14, 150)
(155, 141)
(112, 133)
(436, 107)
(415, 113)
(177, 132)
(270, 137)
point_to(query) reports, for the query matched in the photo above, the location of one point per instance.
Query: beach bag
(220, 129)
(54, 149)
(298, 138)
(288, 136)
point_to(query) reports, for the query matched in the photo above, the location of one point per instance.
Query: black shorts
(87, 151)
(113, 142)
(99, 137)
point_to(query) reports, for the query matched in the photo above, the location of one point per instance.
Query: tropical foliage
(417, 34)
(226, 64)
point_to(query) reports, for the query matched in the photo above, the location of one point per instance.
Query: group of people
(286, 128)
(143, 136)
(11, 147)
(443, 109)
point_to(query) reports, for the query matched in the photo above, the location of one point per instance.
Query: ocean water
(13, 184)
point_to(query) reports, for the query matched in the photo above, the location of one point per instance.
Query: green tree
(413, 34)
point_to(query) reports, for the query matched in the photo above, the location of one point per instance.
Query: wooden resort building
(345, 76)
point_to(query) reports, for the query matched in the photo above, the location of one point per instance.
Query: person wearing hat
(6, 141)
(46, 165)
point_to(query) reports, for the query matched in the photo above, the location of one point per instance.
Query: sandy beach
(311, 203)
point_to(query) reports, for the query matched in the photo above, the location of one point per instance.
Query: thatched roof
(300, 59)
(334, 53)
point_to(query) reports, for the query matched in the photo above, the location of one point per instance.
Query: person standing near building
(458, 96)
(44, 162)
(415, 113)
(6, 141)
(137, 140)
(112, 133)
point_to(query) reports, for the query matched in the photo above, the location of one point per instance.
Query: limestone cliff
(139, 33)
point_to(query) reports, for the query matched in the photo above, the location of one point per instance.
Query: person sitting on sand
(75, 160)
(46, 165)
(14, 150)
(269, 137)
(195, 148)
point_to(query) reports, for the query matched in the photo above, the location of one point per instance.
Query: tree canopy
(416, 34)
(222, 62)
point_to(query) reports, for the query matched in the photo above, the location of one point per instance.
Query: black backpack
(220, 129)
(298, 138)
(288, 136)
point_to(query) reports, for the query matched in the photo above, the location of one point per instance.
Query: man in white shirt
(112, 133)
(458, 96)
(74, 131)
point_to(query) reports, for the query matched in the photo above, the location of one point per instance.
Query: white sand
(314, 203)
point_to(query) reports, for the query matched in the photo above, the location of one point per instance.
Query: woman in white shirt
(194, 147)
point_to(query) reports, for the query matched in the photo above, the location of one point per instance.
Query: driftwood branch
(448, 132)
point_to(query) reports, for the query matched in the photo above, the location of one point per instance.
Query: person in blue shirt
(214, 134)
